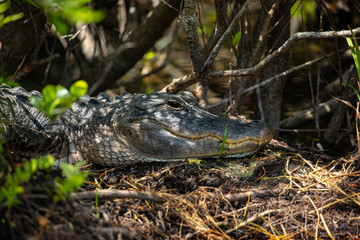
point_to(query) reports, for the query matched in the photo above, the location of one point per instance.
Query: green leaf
(61, 26)
(1, 146)
(149, 91)
(3, 7)
(56, 99)
(61, 92)
(74, 178)
(224, 140)
(303, 9)
(78, 89)
(4, 20)
(354, 47)
(49, 93)
(36, 101)
(69, 170)
(12, 185)
(13, 17)
(236, 39)
(33, 3)
(63, 13)
(149, 55)
(357, 93)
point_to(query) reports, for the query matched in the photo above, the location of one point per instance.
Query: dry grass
(310, 199)
(276, 195)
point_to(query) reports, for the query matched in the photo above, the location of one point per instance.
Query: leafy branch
(4, 6)
(56, 99)
(12, 185)
(63, 13)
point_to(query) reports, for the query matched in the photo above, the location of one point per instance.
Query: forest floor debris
(273, 194)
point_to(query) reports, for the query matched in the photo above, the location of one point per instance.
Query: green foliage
(149, 91)
(12, 185)
(56, 99)
(74, 178)
(223, 142)
(5, 78)
(236, 39)
(354, 47)
(7, 81)
(4, 6)
(1, 142)
(149, 55)
(63, 13)
(303, 9)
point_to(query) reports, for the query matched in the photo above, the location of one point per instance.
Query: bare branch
(115, 193)
(291, 70)
(178, 84)
(32, 66)
(243, 196)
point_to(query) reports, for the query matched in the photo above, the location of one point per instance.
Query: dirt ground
(275, 194)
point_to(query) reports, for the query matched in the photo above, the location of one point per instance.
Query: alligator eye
(174, 105)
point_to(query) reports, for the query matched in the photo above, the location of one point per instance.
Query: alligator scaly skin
(125, 129)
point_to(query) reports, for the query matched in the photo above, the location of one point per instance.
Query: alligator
(126, 129)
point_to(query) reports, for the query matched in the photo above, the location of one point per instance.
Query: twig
(280, 75)
(26, 70)
(114, 193)
(158, 174)
(290, 175)
(255, 218)
(254, 193)
(318, 217)
(326, 227)
(291, 70)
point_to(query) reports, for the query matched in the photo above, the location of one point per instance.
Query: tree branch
(180, 83)
(115, 193)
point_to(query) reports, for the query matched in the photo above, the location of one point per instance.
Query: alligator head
(163, 127)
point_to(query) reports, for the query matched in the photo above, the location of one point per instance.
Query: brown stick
(114, 193)
(253, 193)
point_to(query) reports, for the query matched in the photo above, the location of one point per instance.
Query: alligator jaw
(160, 141)
(232, 147)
